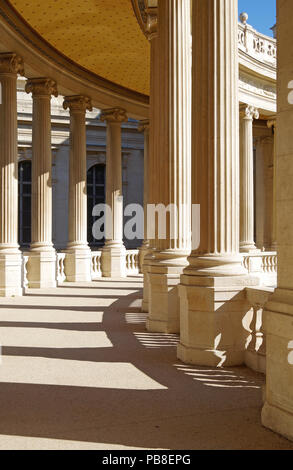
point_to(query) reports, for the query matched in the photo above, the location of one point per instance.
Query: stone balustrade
(257, 45)
(263, 265)
(60, 269)
(255, 324)
(96, 266)
(132, 262)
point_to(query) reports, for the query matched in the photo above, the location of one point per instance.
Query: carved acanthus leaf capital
(114, 115)
(249, 112)
(144, 125)
(41, 87)
(11, 63)
(77, 103)
(272, 123)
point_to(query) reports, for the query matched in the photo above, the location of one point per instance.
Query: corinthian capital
(11, 63)
(41, 87)
(249, 112)
(77, 104)
(144, 126)
(146, 12)
(114, 115)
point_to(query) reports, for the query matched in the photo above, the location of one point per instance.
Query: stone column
(170, 161)
(272, 124)
(78, 257)
(114, 253)
(42, 256)
(247, 114)
(144, 127)
(277, 413)
(212, 287)
(10, 256)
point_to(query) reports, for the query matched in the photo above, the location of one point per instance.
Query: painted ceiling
(102, 36)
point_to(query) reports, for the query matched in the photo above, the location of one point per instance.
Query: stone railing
(132, 262)
(263, 265)
(257, 45)
(96, 266)
(24, 272)
(255, 324)
(60, 269)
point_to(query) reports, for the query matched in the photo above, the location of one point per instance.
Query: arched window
(95, 195)
(24, 202)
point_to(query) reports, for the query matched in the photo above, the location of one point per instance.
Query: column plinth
(169, 161)
(114, 253)
(78, 253)
(41, 267)
(10, 256)
(247, 115)
(212, 295)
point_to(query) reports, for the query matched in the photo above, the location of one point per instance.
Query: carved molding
(249, 112)
(77, 103)
(11, 63)
(41, 87)
(114, 115)
(146, 12)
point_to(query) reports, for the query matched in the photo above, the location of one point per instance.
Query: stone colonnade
(42, 258)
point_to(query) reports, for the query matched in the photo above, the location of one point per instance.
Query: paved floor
(79, 371)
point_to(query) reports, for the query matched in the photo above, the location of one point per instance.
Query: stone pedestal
(277, 413)
(169, 160)
(212, 299)
(114, 253)
(10, 256)
(41, 267)
(78, 253)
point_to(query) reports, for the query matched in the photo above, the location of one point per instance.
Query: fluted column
(113, 256)
(42, 256)
(10, 256)
(170, 160)
(277, 413)
(272, 124)
(78, 258)
(144, 127)
(212, 287)
(247, 115)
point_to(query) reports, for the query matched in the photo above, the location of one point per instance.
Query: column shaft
(247, 244)
(170, 160)
(42, 257)
(113, 259)
(10, 256)
(144, 127)
(78, 259)
(212, 287)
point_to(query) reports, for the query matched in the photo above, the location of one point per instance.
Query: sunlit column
(78, 258)
(144, 127)
(113, 257)
(10, 255)
(42, 256)
(247, 115)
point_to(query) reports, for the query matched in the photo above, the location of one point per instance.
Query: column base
(78, 265)
(114, 262)
(212, 311)
(143, 252)
(145, 270)
(249, 248)
(255, 361)
(163, 305)
(41, 269)
(11, 274)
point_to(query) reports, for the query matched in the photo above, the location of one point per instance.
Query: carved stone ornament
(41, 87)
(146, 12)
(114, 115)
(11, 63)
(249, 112)
(77, 103)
